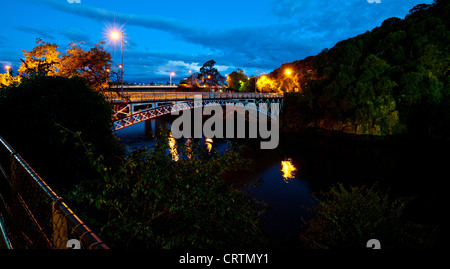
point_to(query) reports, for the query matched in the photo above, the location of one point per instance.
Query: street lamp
(8, 69)
(288, 72)
(116, 35)
(171, 74)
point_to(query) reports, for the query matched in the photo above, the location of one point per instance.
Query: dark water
(404, 166)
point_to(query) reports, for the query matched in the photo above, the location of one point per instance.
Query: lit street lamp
(171, 75)
(116, 35)
(8, 69)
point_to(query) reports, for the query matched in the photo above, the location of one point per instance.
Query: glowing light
(173, 148)
(288, 170)
(208, 143)
(188, 148)
(7, 67)
(115, 35)
(288, 72)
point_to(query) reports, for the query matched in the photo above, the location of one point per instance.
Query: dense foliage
(208, 76)
(94, 65)
(148, 199)
(154, 200)
(391, 80)
(39, 116)
(348, 218)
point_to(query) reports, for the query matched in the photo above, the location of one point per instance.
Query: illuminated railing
(179, 96)
(34, 216)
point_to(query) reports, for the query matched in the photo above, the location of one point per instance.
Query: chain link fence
(32, 216)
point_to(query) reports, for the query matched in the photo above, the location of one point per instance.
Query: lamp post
(8, 70)
(255, 75)
(171, 75)
(288, 73)
(115, 35)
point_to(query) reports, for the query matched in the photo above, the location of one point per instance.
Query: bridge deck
(136, 97)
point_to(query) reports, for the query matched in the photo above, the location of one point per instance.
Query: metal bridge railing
(179, 96)
(33, 215)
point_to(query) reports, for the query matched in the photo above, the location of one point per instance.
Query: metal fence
(180, 96)
(33, 216)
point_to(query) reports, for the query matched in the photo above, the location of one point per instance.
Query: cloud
(38, 32)
(300, 28)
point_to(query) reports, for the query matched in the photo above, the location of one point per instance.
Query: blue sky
(178, 35)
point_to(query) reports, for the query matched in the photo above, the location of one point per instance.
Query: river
(303, 165)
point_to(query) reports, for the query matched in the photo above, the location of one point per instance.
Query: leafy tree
(235, 79)
(91, 65)
(267, 84)
(38, 113)
(194, 80)
(249, 85)
(391, 80)
(44, 56)
(211, 75)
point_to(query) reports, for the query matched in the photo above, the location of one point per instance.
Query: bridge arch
(260, 105)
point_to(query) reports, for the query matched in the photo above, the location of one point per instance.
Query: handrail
(36, 214)
(178, 96)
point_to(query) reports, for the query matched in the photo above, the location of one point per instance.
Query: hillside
(391, 80)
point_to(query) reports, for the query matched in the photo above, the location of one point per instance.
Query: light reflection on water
(283, 219)
(288, 170)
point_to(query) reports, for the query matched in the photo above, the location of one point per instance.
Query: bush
(38, 114)
(349, 218)
(155, 201)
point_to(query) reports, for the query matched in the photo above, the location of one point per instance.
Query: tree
(267, 84)
(211, 76)
(39, 116)
(194, 80)
(42, 58)
(91, 65)
(248, 85)
(235, 79)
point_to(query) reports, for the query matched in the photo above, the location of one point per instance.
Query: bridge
(136, 107)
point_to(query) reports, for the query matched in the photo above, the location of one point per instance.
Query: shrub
(155, 201)
(36, 116)
(348, 218)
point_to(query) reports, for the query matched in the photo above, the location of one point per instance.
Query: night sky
(178, 35)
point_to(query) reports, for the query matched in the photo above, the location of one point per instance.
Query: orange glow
(7, 67)
(173, 148)
(208, 143)
(288, 72)
(265, 84)
(288, 170)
